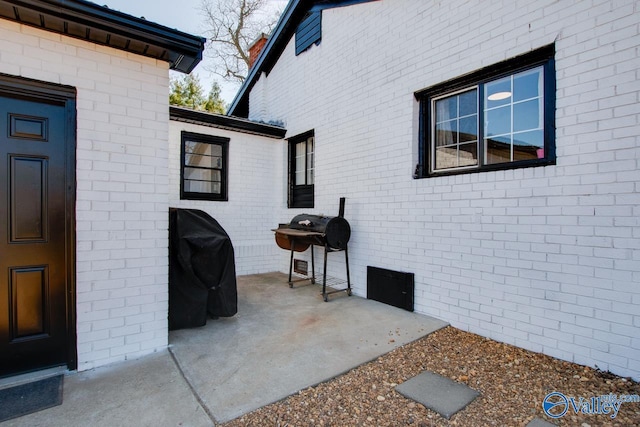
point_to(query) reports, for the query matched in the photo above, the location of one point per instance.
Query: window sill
(205, 197)
(487, 168)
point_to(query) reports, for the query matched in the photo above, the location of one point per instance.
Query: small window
(497, 118)
(301, 171)
(204, 167)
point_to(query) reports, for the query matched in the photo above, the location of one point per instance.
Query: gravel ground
(512, 382)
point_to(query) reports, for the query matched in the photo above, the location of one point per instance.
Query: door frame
(43, 92)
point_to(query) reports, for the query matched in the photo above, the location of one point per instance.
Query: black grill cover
(202, 271)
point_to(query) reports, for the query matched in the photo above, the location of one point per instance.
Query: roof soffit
(98, 24)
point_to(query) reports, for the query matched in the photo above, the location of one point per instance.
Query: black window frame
(542, 57)
(300, 196)
(206, 139)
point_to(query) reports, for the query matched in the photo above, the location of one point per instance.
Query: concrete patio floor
(281, 341)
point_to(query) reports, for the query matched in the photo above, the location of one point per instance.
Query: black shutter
(302, 196)
(309, 32)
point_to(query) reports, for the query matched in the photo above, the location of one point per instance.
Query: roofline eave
(183, 51)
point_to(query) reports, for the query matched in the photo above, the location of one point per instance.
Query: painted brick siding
(546, 258)
(255, 172)
(122, 187)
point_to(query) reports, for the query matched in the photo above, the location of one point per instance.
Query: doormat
(31, 397)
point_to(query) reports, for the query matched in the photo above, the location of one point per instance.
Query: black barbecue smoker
(305, 230)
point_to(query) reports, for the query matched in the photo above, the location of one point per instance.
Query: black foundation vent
(390, 287)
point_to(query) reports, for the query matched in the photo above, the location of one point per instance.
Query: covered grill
(316, 230)
(330, 232)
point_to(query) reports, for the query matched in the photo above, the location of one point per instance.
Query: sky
(183, 15)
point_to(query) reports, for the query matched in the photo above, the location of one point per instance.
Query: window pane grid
(194, 160)
(203, 168)
(304, 162)
(194, 186)
(301, 171)
(522, 136)
(513, 118)
(300, 159)
(513, 103)
(455, 136)
(310, 160)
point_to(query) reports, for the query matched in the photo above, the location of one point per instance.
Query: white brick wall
(255, 173)
(122, 186)
(545, 258)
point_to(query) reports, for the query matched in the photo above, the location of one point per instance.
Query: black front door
(36, 235)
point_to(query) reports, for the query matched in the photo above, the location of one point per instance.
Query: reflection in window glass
(527, 115)
(497, 121)
(201, 174)
(498, 117)
(498, 149)
(513, 111)
(527, 85)
(468, 103)
(301, 156)
(203, 161)
(310, 166)
(202, 187)
(446, 133)
(456, 130)
(203, 168)
(468, 154)
(468, 128)
(447, 108)
(304, 162)
(498, 93)
(528, 145)
(301, 171)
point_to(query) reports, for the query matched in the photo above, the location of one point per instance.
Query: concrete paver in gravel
(539, 422)
(438, 393)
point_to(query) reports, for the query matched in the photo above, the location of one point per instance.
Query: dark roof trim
(98, 24)
(291, 17)
(330, 4)
(180, 114)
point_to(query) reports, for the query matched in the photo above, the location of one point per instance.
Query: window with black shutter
(301, 170)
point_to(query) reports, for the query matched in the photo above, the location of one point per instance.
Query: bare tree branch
(232, 25)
